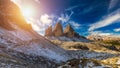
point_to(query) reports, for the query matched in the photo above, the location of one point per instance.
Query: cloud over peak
(100, 33)
(117, 30)
(75, 25)
(46, 19)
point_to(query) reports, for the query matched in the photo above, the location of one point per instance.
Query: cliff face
(58, 30)
(69, 32)
(48, 31)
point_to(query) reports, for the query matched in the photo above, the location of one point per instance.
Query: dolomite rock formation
(58, 30)
(48, 31)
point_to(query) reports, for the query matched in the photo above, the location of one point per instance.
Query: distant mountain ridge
(68, 34)
(104, 37)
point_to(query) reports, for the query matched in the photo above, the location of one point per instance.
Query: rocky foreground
(91, 54)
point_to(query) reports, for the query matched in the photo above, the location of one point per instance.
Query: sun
(28, 12)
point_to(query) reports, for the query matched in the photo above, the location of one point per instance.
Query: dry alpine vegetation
(92, 54)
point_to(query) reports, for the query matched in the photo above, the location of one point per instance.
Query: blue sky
(85, 16)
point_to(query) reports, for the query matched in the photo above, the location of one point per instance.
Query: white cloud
(65, 17)
(39, 24)
(104, 34)
(34, 24)
(112, 4)
(99, 33)
(110, 19)
(117, 30)
(71, 8)
(46, 19)
(75, 25)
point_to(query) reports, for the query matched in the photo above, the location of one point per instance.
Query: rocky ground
(91, 54)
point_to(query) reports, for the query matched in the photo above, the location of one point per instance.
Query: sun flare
(28, 12)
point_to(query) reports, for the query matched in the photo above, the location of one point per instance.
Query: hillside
(18, 40)
(91, 54)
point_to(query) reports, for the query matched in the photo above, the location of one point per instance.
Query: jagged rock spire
(58, 29)
(48, 31)
(70, 32)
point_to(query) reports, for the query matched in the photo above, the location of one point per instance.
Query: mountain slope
(19, 40)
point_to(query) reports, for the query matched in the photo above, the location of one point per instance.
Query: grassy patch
(112, 42)
(79, 46)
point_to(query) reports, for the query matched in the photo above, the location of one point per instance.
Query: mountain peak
(58, 29)
(69, 31)
(48, 31)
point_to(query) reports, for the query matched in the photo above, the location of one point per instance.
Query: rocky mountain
(58, 30)
(69, 34)
(22, 45)
(48, 31)
(69, 31)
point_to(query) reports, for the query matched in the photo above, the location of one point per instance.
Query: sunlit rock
(48, 31)
(58, 30)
